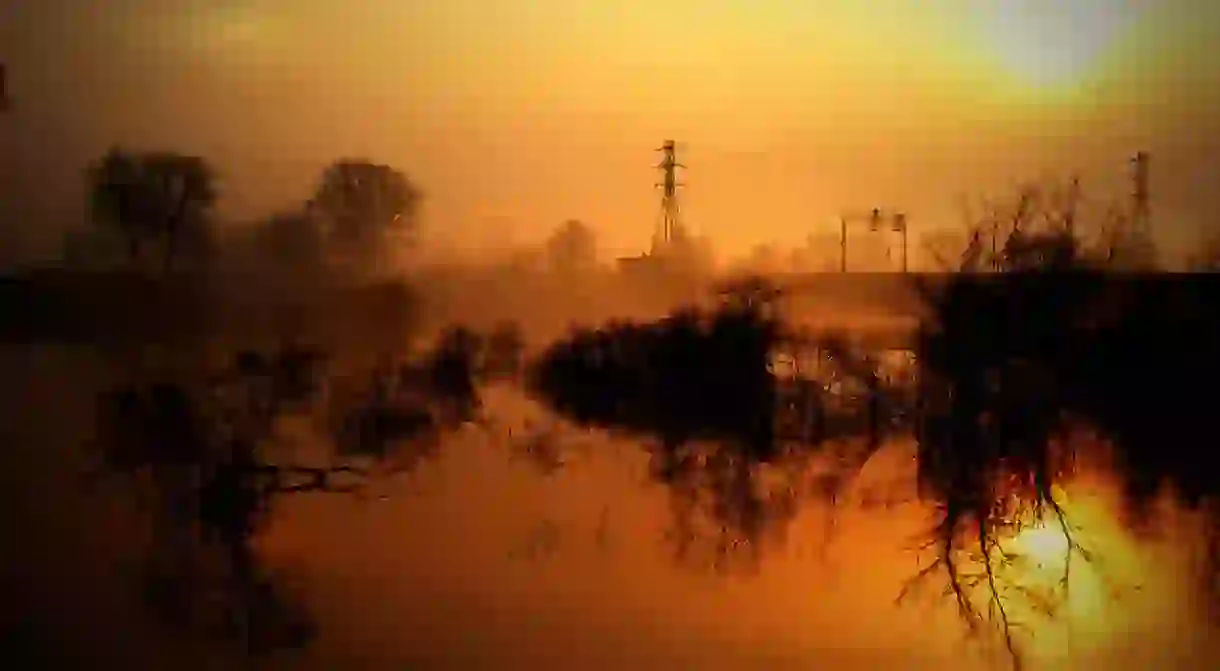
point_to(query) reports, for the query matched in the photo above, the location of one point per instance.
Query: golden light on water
(1076, 588)
(1045, 545)
(1053, 566)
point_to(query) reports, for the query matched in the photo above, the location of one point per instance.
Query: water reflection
(1003, 363)
(500, 563)
(203, 454)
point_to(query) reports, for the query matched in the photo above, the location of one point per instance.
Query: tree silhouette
(152, 197)
(363, 203)
(572, 248)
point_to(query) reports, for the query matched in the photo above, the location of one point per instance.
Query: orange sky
(529, 112)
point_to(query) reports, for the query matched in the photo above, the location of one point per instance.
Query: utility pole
(899, 225)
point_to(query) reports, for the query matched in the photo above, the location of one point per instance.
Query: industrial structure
(669, 234)
(669, 227)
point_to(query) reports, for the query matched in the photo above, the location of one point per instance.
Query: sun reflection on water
(1079, 586)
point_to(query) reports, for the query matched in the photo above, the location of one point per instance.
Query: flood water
(480, 560)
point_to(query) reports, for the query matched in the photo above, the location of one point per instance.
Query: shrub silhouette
(688, 377)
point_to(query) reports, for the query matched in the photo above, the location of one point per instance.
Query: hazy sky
(516, 114)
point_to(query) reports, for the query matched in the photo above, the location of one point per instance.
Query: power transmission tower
(669, 225)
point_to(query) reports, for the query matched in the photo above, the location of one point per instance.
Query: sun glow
(1071, 586)
(1052, 45)
(1048, 566)
(1045, 543)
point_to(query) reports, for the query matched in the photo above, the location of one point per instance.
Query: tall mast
(669, 224)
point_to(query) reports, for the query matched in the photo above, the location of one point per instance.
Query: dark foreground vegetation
(1009, 365)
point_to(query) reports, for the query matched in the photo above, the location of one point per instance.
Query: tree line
(157, 210)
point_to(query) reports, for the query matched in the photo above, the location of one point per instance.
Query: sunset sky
(516, 114)
(513, 116)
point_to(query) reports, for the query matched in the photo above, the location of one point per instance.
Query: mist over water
(479, 558)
